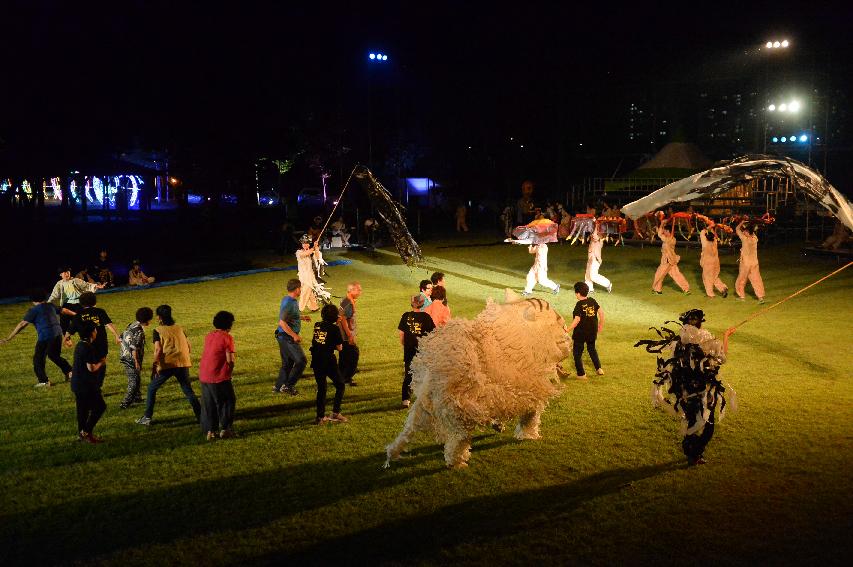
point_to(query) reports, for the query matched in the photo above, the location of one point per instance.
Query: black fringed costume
(686, 384)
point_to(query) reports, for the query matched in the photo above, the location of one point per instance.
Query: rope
(730, 331)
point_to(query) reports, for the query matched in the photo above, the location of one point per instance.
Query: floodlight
(776, 44)
(774, 139)
(768, 45)
(372, 56)
(785, 43)
(783, 107)
(784, 139)
(794, 106)
(385, 58)
(804, 138)
(771, 108)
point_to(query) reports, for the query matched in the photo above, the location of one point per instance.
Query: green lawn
(605, 485)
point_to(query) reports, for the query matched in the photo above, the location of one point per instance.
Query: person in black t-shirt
(413, 324)
(327, 339)
(86, 382)
(101, 320)
(587, 323)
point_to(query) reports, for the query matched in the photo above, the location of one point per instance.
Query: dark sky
(156, 72)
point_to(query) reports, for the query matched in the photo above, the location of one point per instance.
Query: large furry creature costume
(495, 368)
(686, 384)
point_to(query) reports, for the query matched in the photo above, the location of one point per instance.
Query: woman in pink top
(438, 309)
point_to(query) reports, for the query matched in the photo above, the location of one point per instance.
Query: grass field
(605, 485)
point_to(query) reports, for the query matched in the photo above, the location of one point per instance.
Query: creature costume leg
(694, 444)
(660, 274)
(756, 281)
(528, 426)
(594, 277)
(531, 280)
(542, 277)
(417, 420)
(678, 277)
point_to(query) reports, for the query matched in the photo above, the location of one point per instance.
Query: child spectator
(214, 373)
(102, 321)
(132, 353)
(171, 358)
(438, 309)
(413, 324)
(426, 292)
(45, 317)
(136, 276)
(327, 339)
(86, 381)
(587, 323)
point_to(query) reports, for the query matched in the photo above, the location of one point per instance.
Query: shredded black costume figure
(686, 384)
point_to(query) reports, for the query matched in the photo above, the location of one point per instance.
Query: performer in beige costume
(710, 262)
(539, 271)
(593, 262)
(748, 263)
(305, 269)
(668, 262)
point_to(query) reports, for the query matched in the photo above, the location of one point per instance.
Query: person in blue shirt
(293, 360)
(45, 317)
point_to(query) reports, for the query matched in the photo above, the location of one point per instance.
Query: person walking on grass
(45, 317)
(86, 383)
(349, 330)
(539, 271)
(710, 262)
(132, 353)
(587, 322)
(102, 321)
(326, 340)
(593, 262)
(748, 269)
(66, 294)
(413, 324)
(171, 358)
(668, 262)
(214, 373)
(293, 359)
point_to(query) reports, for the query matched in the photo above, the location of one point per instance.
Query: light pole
(372, 59)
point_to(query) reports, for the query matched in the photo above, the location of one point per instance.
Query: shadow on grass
(93, 526)
(428, 537)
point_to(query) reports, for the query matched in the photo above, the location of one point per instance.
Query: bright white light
(768, 45)
(783, 107)
(372, 56)
(522, 145)
(776, 44)
(793, 138)
(785, 43)
(771, 108)
(794, 106)
(784, 139)
(775, 139)
(385, 58)
(804, 138)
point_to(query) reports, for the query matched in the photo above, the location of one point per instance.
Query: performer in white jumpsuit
(539, 271)
(710, 262)
(748, 270)
(593, 262)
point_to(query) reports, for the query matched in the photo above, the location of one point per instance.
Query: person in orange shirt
(668, 262)
(438, 309)
(748, 263)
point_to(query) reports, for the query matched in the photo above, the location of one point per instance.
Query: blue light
(804, 138)
(385, 58)
(372, 56)
(784, 139)
(775, 139)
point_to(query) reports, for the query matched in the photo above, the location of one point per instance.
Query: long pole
(338, 202)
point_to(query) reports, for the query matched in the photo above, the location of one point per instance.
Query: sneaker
(582, 377)
(321, 420)
(656, 292)
(227, 434)
(760, 300)
(89, 438)
(526, 293)
(725, 293)
(47, 384)
(701, 461)
(68, 376)
(686, 292)
(144, 420)
(338, 417)
(740, 298)
(289, 391)
(557, 289)
(406, 404)
(353, 383)
(600, 372)
(211, 436)
(610, 288)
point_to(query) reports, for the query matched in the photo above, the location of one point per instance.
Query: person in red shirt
(214, 373)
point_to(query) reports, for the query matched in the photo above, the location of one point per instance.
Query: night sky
(126, 73)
